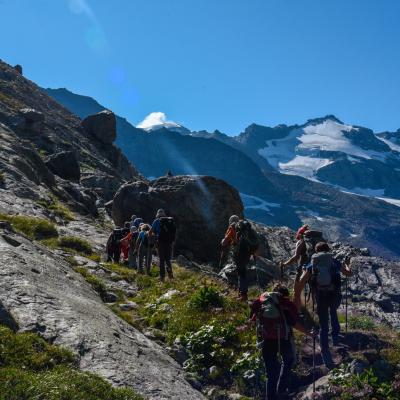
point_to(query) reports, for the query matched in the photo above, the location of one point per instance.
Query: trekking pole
(314, 345)
(346, 303)
(255, 266)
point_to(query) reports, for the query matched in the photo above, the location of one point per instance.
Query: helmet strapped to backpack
(247, 238)
(311, 239)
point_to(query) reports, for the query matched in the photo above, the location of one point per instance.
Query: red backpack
(271, 319)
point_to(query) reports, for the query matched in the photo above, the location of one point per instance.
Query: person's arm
(301, 328)
(346, 270)
(229, 236)
(296, 256)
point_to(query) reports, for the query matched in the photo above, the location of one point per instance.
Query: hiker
(129, 242)
(144, 247)
(113, 246)
(307, 239)
(323, 273)
(276, 316)
(137, 222)
(164, 230)
(133, 219)
(244, 240)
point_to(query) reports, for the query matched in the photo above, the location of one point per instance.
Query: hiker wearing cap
(323, 273)
(276, 316)
(144, 247)
(164, 230)
(240, 236)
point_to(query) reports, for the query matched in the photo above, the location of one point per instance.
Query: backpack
(148, 241)
(271, 318)
(134, 239)
(167, 230)
(248, 240)
(311, 239)
(324, 274)
(117, 235)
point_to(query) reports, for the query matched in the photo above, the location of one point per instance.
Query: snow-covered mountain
(158, 120)
(327, 150)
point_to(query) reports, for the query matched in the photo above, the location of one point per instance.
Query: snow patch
(395, 202)
(157, 120)
(393, 146)
(253, 202)
(304, 166)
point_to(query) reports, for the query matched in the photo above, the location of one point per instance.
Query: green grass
(72, 244)
(34, 228)
(361, 322)
(32, 369)
(57, 208)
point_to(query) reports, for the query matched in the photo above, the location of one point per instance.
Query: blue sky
(215, 64)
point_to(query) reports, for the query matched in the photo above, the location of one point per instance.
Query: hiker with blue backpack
(144, 247)
(323, 275)
(164, 231)
(276, 316)
(243, 239)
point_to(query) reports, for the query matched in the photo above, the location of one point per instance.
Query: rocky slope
(57, 167)
(269, 196)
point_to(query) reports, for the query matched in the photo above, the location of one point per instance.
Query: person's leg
(168, 256)
(323, 316)
(334, 325)
(161, 255)
(149, 258)
(288, 359)
(272, 367)
(142, 254)
(242, 282)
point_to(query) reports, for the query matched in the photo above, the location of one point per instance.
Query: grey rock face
(201, 206)
(42, 294)
(102, 126)
(31, 115)
(64, 164)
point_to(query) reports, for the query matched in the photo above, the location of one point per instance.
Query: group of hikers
(276, 314)
(135, 243)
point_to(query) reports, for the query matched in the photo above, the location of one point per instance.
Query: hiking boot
(327, 359)
(243, 297)
(170, 275)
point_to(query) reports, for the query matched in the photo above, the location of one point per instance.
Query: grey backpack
(323, 269)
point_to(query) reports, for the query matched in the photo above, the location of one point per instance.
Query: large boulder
(201, 206)
(64, 164)
(102, 126)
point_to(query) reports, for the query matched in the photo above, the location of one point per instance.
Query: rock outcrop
(102, 126)
(39, 292)
(201, 206)
(64, 164)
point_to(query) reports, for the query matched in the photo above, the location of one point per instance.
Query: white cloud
(82, 7)
(155, 119)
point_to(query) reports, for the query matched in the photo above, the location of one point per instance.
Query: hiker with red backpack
(164, 230)
(307, 239)
(244, 240)
(323, 275)
(276, 316)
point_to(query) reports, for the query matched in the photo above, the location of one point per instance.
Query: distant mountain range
(287, 175)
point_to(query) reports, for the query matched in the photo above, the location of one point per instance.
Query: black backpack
(117, 235)
(167, 230)
(311, 239)
(248, 240)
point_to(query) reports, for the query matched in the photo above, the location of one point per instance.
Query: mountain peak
(158, 120)
(329, 117)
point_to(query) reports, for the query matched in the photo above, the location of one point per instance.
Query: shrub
(205, 298)
(34, 228)
(74, 243)
(361, 322)
(209, 346)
